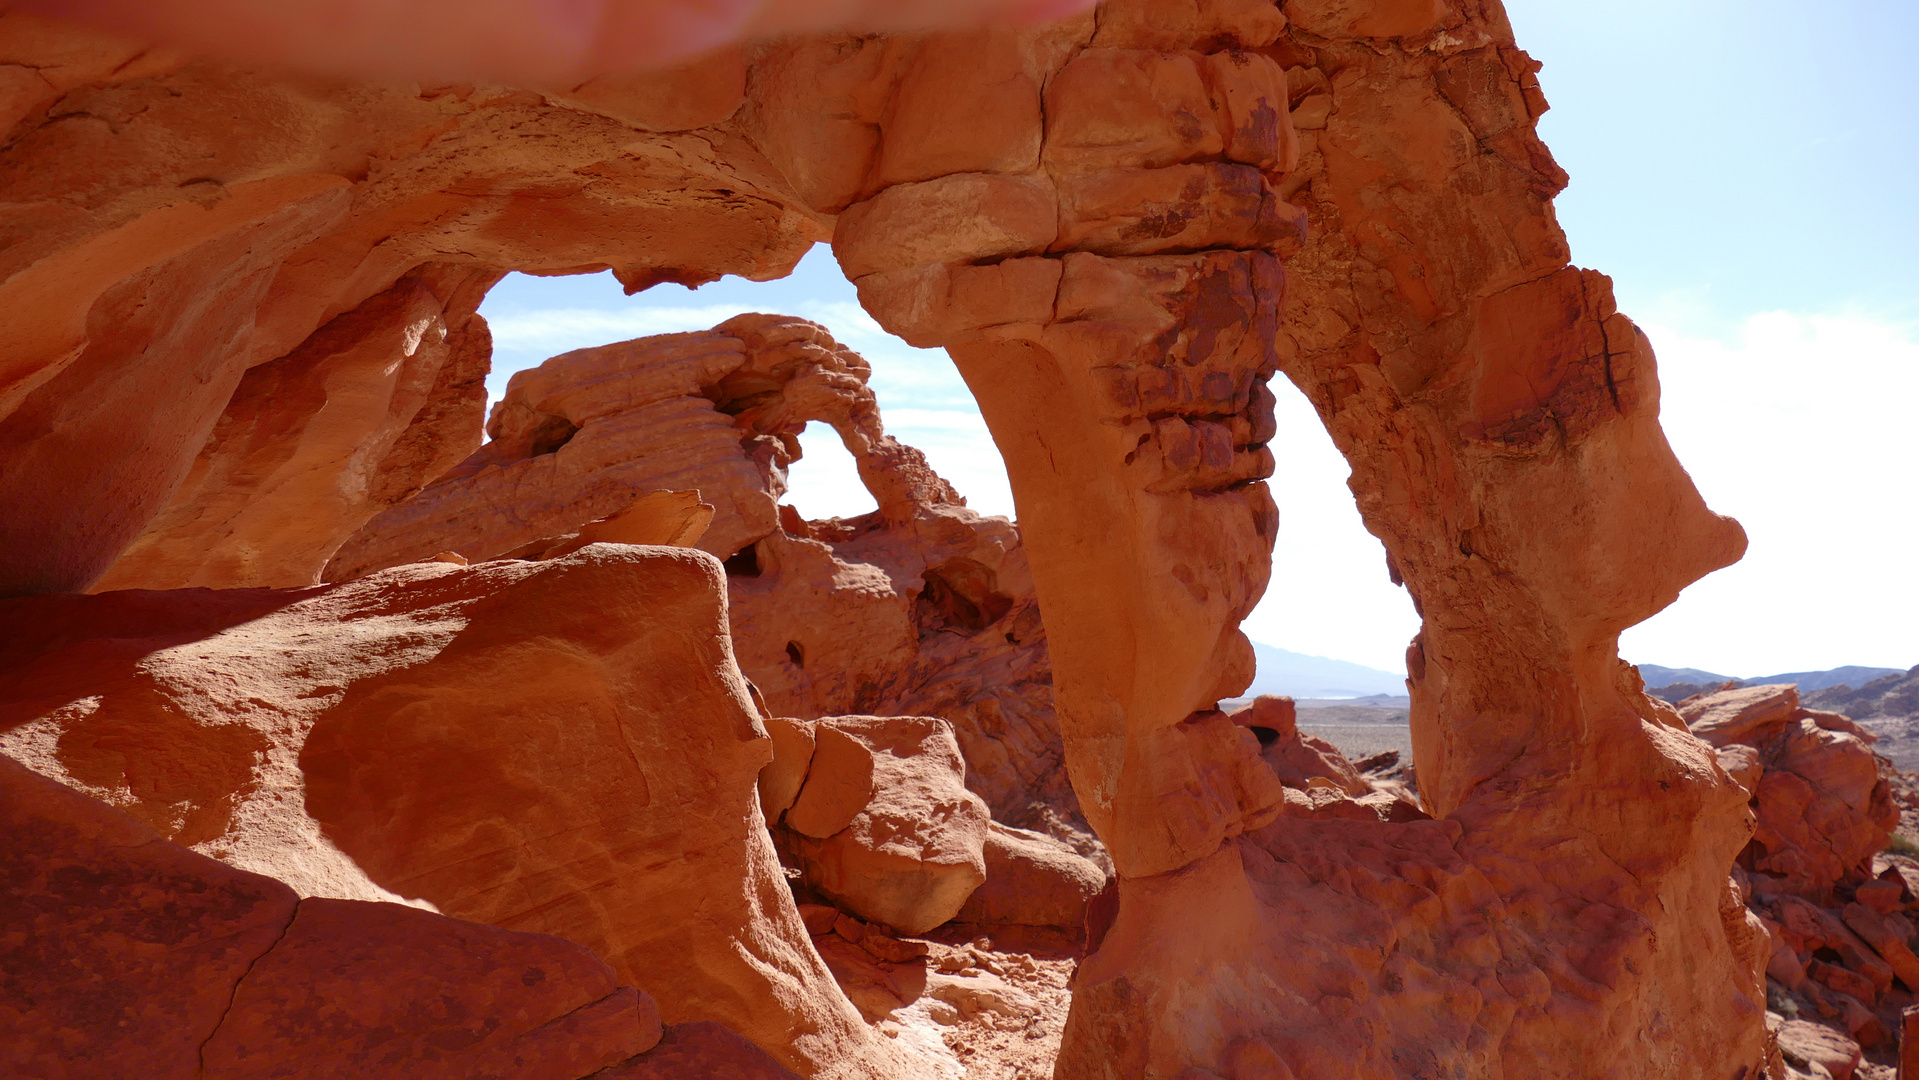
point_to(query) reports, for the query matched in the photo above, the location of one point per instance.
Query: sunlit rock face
(190, 967)
(562, 747)
(1120, 227)
(922, 607)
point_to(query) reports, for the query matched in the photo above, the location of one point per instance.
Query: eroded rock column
(1116, 300)
(1110, 296)
(1501, 418)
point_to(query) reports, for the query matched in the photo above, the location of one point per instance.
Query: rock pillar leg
(1569, 911)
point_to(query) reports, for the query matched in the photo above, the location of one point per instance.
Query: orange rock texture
(1501, 420)
(1119, 226)
(361, 415)
(1837, 914)
(881, 821)
(173, 226)
(129, 955)
(576, 438)
(1819, 795)
(515, 743)
(922, 607)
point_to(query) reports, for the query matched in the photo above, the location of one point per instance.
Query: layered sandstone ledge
(240, 326)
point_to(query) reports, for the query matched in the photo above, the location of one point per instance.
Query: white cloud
(552, 331)
(1802, 427)
(824, 482)
(1330, 595)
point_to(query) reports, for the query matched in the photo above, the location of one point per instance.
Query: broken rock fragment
(1822, 803)
(906, 841)
(1032, 880)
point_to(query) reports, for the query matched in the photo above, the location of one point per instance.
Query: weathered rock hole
(744, 563)
(825, 481)
(552, 433)
(796, 654)
(961, 596)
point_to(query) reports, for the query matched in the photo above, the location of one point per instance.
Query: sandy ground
(976, 1002)
(1898, 740)
(1358, 730)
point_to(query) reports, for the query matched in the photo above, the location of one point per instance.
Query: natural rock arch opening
(824, 481)
(1332, 593)
(1116, 276)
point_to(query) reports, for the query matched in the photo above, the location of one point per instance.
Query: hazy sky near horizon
(1745, 174)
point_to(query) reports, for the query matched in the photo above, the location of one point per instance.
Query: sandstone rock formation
(701, 1049)
(1032, 880)
(129, 955)
(873, 815)
(980, 1004)
(879, 819)
(1817, 1050)
(562, 747)
(181, 223)
(367, 410)
(1480, 388)
(1836, 914)
(1319, 779)
(1299, 760)
(657, 518)
(927, 612)
(576, 439)
(921, 608)
(1120, 226)
(1819, 794)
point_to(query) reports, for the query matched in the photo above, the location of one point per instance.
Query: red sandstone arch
(1119, 227)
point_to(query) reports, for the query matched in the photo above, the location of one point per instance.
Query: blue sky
(1736, 156)
(1745, 172)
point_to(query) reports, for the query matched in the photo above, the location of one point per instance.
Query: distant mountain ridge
(1281, 671)
(1300, 675)
(1809, 681)
(1665, 676)
(1891, 695)
(1819, 680)
(1674, 683)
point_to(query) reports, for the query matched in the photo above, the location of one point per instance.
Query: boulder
(1032, 880)
(1299, 760)
(782, 778)
(561, 747)
(1805, 1045)
(1743, 764)
(1823, 805)
(1748, 715)
(884, 825)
